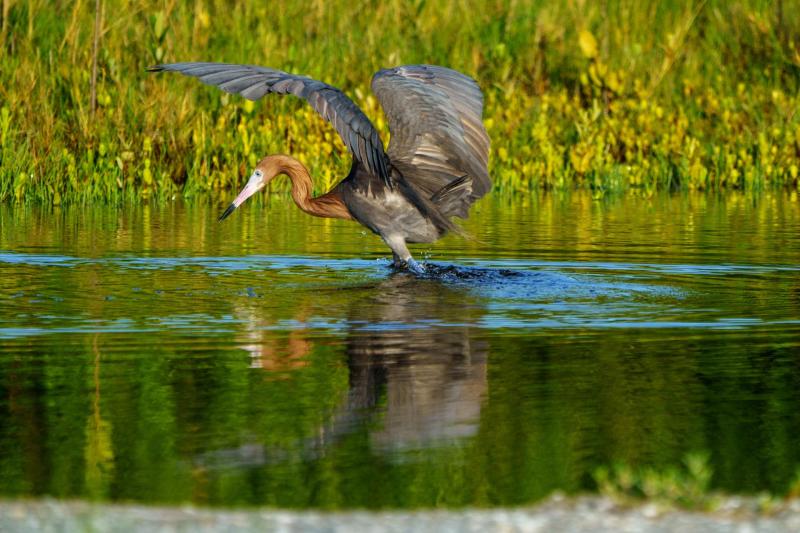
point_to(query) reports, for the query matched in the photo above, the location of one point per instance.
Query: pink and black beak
(254, 184)
(226, 213)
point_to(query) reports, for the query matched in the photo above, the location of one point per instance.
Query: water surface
(151, 354)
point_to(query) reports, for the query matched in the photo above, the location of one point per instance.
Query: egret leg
(401, 254)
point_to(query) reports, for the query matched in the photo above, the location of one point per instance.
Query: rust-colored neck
(329, 205)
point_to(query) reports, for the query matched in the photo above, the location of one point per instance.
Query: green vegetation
(688, 486)
(609, 95)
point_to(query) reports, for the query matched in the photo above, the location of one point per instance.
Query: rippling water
(152, 354)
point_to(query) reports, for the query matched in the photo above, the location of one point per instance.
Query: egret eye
(258, 173)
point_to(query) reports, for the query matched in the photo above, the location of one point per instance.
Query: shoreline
(585, 513)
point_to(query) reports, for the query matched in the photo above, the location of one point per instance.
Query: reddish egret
(435, 166)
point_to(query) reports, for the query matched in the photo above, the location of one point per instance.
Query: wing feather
(438, 136)
(252, 82)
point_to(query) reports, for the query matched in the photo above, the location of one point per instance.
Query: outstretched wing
(252, 82)
(438, 140)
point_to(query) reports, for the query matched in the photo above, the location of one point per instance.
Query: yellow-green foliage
(686, 487)
(607, 95)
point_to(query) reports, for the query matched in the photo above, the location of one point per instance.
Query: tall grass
(611, 94)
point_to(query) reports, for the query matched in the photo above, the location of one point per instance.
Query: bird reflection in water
(433, 372)
(270, 352)
(422, 381)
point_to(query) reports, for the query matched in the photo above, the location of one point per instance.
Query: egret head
(266, 169)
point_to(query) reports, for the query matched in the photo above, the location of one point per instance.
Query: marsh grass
(688, 486)
(612, 95)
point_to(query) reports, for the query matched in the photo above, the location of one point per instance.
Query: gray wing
(252, 82)
(438, 142)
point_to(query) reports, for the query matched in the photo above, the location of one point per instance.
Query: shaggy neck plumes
(329, 205)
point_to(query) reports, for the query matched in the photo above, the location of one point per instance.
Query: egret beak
(253, 185)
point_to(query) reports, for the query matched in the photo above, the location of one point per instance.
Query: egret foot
(408, 264)
(415, 267)
(401, 256)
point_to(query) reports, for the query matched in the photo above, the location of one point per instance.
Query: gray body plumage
(386, 211)
(436, 164)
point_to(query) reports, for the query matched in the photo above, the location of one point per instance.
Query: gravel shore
(593, 514)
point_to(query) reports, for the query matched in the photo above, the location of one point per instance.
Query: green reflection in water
(152, 354)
